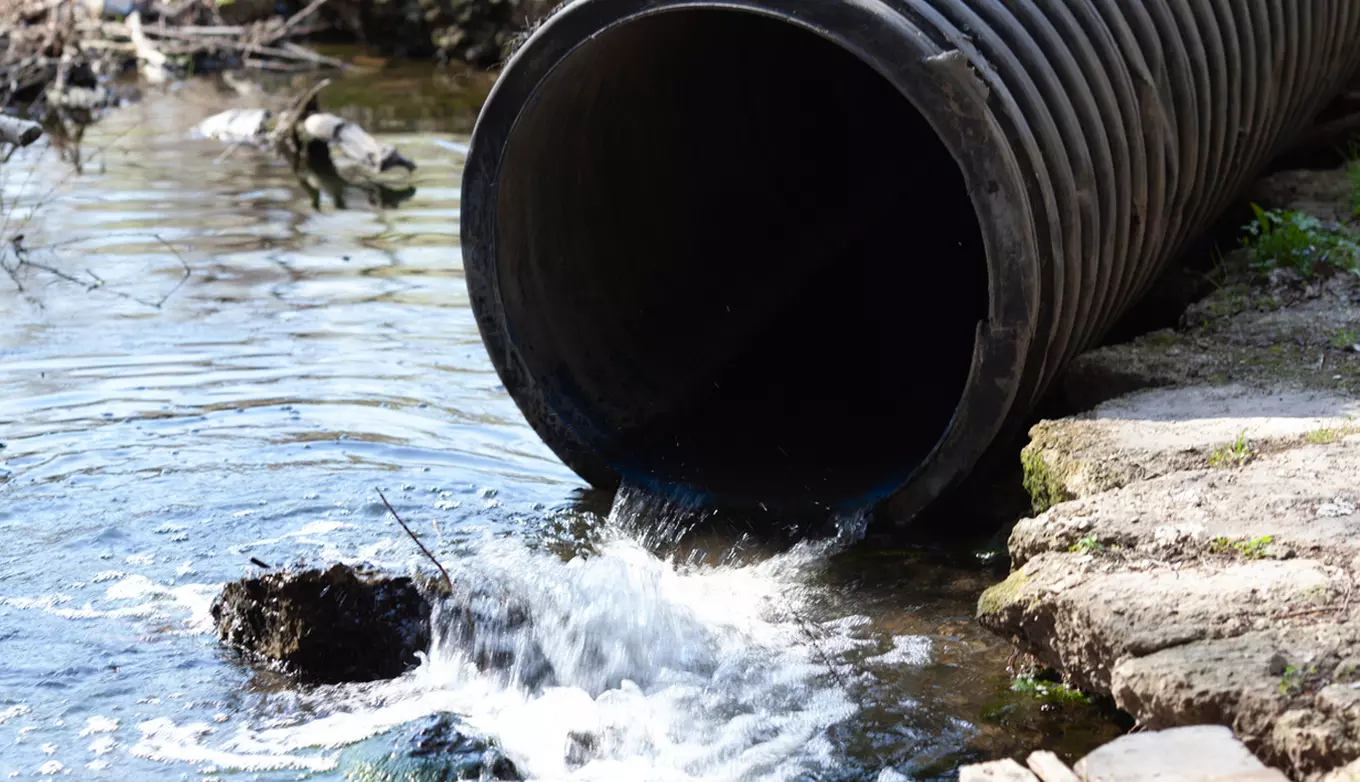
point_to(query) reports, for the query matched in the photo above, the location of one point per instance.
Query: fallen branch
(19, 132)
(448, 582)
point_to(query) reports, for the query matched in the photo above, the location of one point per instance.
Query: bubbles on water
(99, 724)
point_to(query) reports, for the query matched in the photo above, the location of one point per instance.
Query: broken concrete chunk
(1202, 753)
(1152, 433)
(1048, 768)
(996, 771)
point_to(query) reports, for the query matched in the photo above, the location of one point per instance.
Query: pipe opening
(734, 258)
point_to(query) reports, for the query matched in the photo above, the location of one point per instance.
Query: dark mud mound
(336, 625)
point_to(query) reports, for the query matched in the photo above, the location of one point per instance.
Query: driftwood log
(18, 132)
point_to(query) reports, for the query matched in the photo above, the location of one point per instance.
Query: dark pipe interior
(735, 259)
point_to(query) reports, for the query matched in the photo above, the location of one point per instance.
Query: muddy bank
(1195, 552)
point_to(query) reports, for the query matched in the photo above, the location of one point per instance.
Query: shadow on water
(147, 454)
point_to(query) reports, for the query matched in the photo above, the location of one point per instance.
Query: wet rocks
(435, 749)
(1202, 753)
(1195, 549)
(334, 625)
(1201, 576)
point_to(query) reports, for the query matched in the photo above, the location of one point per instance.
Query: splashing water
(669, 670)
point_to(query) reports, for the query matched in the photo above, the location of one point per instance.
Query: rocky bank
(1195, 549)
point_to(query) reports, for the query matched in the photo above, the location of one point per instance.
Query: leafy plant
(1292, 681)
(1051, 691)
(1289, 681)
(1087, 545)
(1300, 242)
(1342, 339)
(1234, 454)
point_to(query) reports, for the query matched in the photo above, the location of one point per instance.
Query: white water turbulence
(615, 665)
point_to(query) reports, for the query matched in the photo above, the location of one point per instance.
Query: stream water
(158, 431)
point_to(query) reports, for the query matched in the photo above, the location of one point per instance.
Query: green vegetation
(1087, 545)
(1234, 454)
(1289, 681)
(1299, 242)
(1341, 339)
(1324, 436)
(1293, 679)
(1048, 690)
(1327, 435)
(1253, 548)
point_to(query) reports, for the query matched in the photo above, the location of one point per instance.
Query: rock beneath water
(496, 633)
(435, 749)
(336, 625)
(582, 746)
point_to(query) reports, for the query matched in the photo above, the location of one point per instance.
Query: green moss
(999, 597)
(1247, 548)
(1160, 339)
(1044, 484)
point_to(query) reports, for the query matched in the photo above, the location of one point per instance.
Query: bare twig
(23, 257)
(448, 582)
(803, 626)
(299, 16)
(298, 111)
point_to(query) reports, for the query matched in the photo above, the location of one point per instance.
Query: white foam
(906, 650)
(99, 724)
(677, 672)
(162, 740)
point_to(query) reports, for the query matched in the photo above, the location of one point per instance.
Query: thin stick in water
(448, 582)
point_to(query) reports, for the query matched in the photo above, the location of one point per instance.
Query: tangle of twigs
(22, 258)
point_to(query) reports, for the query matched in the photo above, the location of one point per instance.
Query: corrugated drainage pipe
(818, 253)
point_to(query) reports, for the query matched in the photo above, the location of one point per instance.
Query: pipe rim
(942, 86)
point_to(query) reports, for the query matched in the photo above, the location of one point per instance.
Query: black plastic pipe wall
(819, 253)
